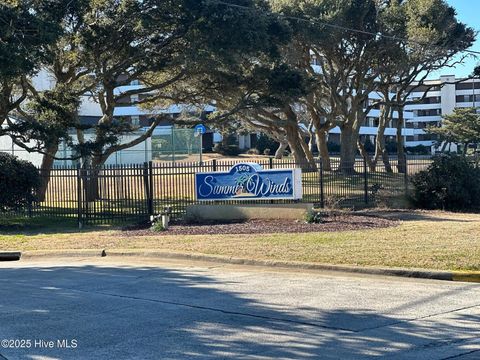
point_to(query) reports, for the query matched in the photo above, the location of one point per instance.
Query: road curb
(158, 254)
(399, 272)
(64, 253)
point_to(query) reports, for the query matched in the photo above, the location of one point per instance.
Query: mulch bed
(336, 222)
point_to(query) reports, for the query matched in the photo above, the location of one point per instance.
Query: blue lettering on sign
(248, 181)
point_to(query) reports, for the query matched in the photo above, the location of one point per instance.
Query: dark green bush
(333, 148)
(314, 217)
(391, 146)
(229, 150)
(264, 142)
(418, 150)
(19, 180)
(451, 182)
(369, 146)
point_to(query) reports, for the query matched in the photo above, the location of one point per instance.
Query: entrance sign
(248, 181)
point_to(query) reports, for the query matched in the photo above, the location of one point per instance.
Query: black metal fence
(132, 193)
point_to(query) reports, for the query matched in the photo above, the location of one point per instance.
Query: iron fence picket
(134, 192)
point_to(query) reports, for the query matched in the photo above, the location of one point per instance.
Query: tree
(461, 127)
(270, 99)
(261, 89)
(51, 115)
(176, 49)
(429, 38)
(26, 28)
(418, 37)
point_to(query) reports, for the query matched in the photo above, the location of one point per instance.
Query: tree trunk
(386, 161)
(306, 163)
(321, 138)
(380, 150)
(91, 180)
(371, 163)
(348, 149)
(281, 149)
(46, 170)
(310, 137)
(308, 154)
(402, 159)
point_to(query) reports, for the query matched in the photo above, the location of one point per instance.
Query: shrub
(369, 146)
(266, 152)
(158, 226)
(333, 148)
(418, 150)
(314, 217)
(391, 146)
(19, 180)
(264, 142)
(253, 151)
(230, 150)
(451, 182)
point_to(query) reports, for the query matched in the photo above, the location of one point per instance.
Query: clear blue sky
(468, 12)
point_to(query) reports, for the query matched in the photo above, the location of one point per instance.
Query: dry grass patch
(435, 240)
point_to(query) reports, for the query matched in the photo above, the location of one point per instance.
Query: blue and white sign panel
(248, 181)
(200, 129)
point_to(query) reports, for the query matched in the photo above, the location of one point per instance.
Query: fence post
(365, 176)
(270, 162)
(146, 184)
(322, 193)
(214, 164)
(79, 197)
(405, 175)
(151, 209)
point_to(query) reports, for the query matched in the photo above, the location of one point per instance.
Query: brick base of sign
(196, 213)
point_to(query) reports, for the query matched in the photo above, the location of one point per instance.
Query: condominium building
(442, 96)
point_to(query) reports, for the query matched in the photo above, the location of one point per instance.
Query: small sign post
(200, 129)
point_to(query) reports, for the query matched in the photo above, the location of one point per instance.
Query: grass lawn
(434, 240)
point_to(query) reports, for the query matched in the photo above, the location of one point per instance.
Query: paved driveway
(130, 309)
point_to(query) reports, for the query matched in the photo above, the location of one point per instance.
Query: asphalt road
(143, 309)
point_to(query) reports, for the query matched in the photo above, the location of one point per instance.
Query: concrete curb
(63, 253)
(412, 273)
(158, 254)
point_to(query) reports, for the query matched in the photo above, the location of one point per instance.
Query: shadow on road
(153, 313)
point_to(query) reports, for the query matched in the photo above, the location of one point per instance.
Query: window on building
(429, 112)
(136, 120)
(467, 85)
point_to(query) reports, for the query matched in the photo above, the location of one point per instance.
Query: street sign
(200, 129)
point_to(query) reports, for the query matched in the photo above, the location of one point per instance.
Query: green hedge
(19, 180)
(451, 182)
